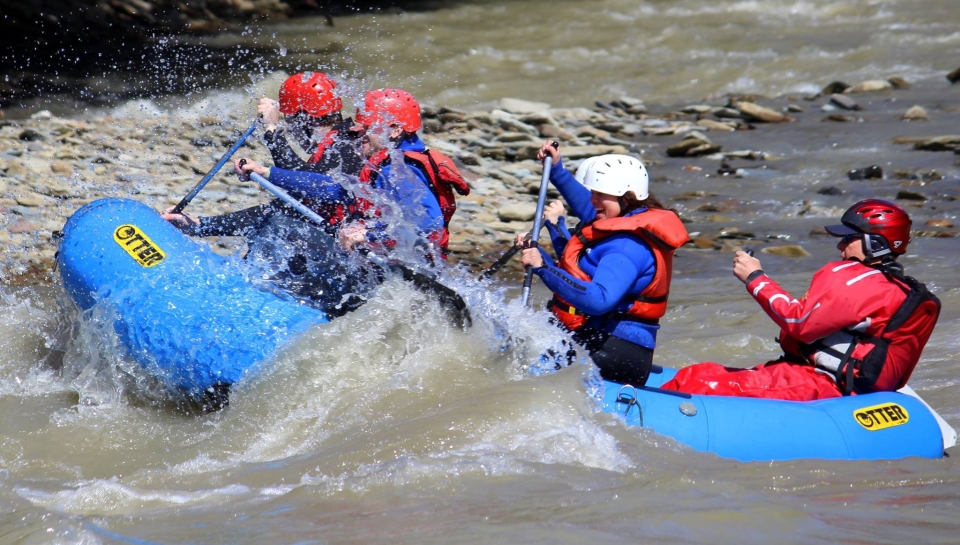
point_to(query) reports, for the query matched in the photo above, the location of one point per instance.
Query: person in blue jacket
(404, 190)
(611, 282)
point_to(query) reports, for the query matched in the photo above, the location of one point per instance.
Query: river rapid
(389, 423)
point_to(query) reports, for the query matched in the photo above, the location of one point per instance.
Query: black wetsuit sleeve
(239, 223)
(283, 155)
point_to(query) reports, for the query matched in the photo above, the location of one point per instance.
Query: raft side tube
(186, 314)
(885, 425)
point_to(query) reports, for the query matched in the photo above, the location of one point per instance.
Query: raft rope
(630, 402)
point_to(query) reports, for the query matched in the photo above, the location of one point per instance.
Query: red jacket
(846, 302)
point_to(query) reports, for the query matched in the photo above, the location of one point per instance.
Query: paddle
(450, 299)
(537, 225)
(504, 259)
(213, 171)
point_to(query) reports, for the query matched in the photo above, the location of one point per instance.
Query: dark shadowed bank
(62, 46)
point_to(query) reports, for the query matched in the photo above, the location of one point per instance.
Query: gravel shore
(51, 166)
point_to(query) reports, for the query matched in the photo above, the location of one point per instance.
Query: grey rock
(520, 211)
(518, 106)
(916, 113)
(844, 102)
(954, 76)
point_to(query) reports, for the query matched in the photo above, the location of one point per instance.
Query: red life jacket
(883, 360)
(443, 179)
(662, 230)
(325, 143)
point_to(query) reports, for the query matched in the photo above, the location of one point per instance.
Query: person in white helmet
(612, 280)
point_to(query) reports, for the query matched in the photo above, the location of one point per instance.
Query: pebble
(759, 113)
(916, 113)
(789, 250)
(869, 86)
(517, 212)
(954, 76)
(844, 102)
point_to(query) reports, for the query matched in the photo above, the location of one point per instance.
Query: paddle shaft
(506, 257)
(537, 225)
(447, 296)
(213, 171)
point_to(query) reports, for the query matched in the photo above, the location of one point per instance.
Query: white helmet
(584, 165)
(615, 175)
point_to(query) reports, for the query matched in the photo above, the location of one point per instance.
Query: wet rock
(830, 190)
(939, 143)
(954, 76)
(840, 118)
(519, 106)
(789, 250)
(712, 125)
(795, 108)
(869, 86)
(508, 122)
(916, 113)
(834, 87)
(844, 102)
(727, 113)
(899, 83)
(22, 226)
(705, 243)
(659, 131)
(939, 223)
(31, 200)
(923, 175)
(61, 167)
(517, 212)
(872, 172)
(696, 109)
(30, 135)
(759, 113)
(582, 152)
(905, 195)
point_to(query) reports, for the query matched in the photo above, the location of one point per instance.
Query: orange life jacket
(662, 230)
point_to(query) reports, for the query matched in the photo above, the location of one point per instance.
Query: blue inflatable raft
(187, 315)
(878, 426)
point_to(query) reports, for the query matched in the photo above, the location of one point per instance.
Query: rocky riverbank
(720, 163)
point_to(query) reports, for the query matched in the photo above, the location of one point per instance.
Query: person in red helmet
(288, 251)
(400, 172)
(860, 328)
(311, 112)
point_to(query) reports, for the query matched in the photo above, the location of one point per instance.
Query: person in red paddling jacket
(860, 328)
(417, 185)
(611, 283)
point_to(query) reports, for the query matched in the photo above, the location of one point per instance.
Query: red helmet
(390, 107)
(885, 227)
(310, 92)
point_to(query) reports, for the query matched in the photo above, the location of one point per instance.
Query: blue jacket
(621, 266)
(405, 185)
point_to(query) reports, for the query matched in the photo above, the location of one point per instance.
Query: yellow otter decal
(138, 245)
(880, 417)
